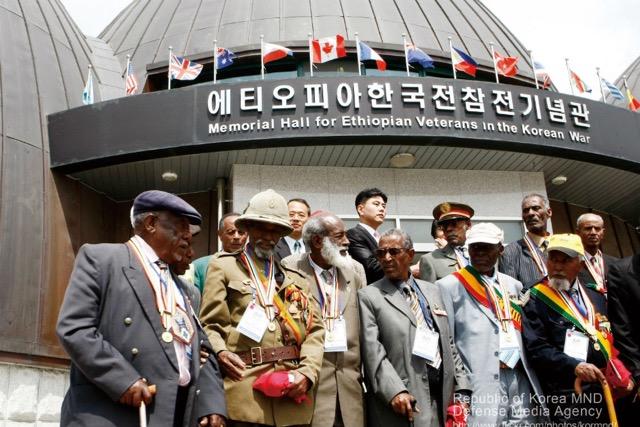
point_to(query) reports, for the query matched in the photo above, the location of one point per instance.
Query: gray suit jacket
(110, 327)
(438, 264)
(474, 328)
(387, 334)
(340, 377)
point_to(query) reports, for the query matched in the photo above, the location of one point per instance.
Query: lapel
(373, 245)
(344, 289)
(395, 298)
(429, 293)
(304, 266)
(143, 291)
(447, 251)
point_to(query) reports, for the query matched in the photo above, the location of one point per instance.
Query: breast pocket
(239, 295)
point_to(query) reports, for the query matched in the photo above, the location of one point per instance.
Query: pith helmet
(268, 207)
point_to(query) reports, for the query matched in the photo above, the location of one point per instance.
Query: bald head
(590, 228)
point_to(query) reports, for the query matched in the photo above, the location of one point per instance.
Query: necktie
(297, 247)
(596, 265)
(418, 307)
(575, 296)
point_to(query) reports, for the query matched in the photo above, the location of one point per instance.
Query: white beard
(262, 253)
(559, 284)
(331, 254)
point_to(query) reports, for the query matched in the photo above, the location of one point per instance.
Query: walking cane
(142, 411)
(608, 397)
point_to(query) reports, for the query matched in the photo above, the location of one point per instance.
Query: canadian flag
(328, 48)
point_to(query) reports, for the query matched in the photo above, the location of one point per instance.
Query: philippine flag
(274, 52)
(328, 48)
(463, 62)
(415, 54)
(506, 65)
(368, 54)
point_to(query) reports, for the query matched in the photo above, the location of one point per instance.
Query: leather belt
(259, 355)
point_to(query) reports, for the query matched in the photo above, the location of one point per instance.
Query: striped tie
(414, 304)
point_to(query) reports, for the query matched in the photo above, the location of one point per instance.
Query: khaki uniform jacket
(340, 376)
(438, 264)
(227, 293)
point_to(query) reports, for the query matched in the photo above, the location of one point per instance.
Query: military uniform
(227, 293)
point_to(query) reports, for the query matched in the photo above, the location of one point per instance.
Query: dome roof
(145, 30)
(632, 74)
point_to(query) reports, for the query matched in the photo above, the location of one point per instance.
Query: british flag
(130, 81)
(183, 69)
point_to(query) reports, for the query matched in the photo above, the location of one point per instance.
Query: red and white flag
(273, 52)
(506, 65)
(328, 48)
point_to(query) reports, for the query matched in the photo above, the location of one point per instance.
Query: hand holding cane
(608, 397)
(142, 411)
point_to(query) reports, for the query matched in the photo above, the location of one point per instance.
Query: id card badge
(509, 339)
(254, 322)
(576, 345)
(425, 346)
(336, 340)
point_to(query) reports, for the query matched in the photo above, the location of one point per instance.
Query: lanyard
(503, 314)
(588, 322)
(263, 282)
(330, 310)
(597, 275)
(536, 255)
(460, 259)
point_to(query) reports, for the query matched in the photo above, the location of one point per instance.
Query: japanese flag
(328, 48)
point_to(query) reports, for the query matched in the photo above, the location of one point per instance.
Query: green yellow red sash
(472, 282)
(551, 297)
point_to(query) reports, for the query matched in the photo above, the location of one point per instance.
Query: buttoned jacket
(438, 264)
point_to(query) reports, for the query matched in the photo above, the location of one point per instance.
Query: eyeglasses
(382, 252)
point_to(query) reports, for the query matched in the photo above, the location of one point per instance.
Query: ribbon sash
(563, 305)
(473, 283)
(536, 255)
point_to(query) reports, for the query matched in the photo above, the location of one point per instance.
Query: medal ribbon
(265, 288)
(164, 294)
(563, 305)
(288, 319)
(598, 276)
(330, 311)
(473, 283)
(536, 255)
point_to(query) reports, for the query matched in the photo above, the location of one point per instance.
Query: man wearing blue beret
(127, 323)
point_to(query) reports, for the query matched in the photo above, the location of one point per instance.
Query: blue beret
(156, 200)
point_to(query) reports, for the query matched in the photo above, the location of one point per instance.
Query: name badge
(254, 322)
(576, 345)
(425, 345)
(336, 339)
(509, 339)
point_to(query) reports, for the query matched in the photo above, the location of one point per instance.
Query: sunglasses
(382, 252)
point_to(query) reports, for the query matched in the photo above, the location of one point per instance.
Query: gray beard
(559, 284)
(262, 253)
(331, 254)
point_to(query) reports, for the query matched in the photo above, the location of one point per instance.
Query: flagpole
(406, 59)
(169, 68)
(533, 67)
(453, 66)
(215, 61)
(566, 61)
(626, 87)
(358, 53)
(493, 58)
(262, 56)
(600, 83)
(126, 74)
(310, 53)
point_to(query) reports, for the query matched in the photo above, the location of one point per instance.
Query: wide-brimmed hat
(266, 207)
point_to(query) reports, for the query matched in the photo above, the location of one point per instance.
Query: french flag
(463, 62)
(274, 52)
(368, 54)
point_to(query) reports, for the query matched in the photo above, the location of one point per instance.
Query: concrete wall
(31, 396)
(411, 191)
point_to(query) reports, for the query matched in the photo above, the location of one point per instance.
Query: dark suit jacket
(109, 353)
(587, 279)
(516, 261)
(544, 334)
(387, 332)
(624, 304)
(362, 248)
(282, 250)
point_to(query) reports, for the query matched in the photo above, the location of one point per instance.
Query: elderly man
(330, 273)
(410, 361)
(485, 320)
(261, 319)
(371, 205)
(299, 213)
(454, 219)
(590, 228)
(127, 323)
(232, 240)
(525, 260)
(565, 336)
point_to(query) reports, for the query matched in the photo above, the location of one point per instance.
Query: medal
(596, 346)
(272, 326)
(167, 336)
(293, 309)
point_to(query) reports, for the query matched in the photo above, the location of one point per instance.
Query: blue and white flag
(224, 58)
(613, 90)
(415, 54)
(87, 93)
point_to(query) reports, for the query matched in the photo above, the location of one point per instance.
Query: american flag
(183, 69)
(130, 81)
